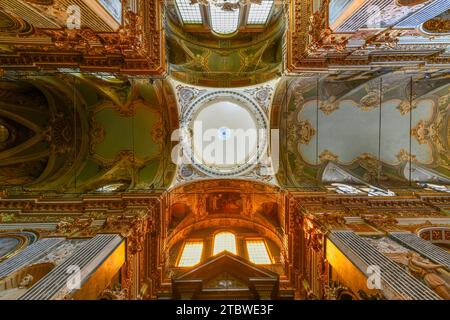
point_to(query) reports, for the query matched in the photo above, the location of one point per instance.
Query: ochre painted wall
(102, 277)
(344, 271)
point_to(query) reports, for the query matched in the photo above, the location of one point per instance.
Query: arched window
(436, 187)
(259, 13)
(224, 241)
(257, 252)
(190, 12)
(346, 189)
(224, 21)
(192, 254)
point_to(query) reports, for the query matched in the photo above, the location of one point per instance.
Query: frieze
(129, 50)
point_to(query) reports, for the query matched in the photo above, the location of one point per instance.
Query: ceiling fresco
(120, 129)
(239, 145)
(224, 149)
(246, 59)
(338, 118)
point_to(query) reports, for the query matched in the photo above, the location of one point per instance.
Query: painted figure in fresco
(224, 203)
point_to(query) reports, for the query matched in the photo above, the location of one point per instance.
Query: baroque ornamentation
(97, 134)
(405, 106)
(321, 35)
(437, 25)
(370, 101)
(60, 134)
(388, 38)
(327, 155)
(423, 132)
(404, 155)
(373, 167)
(301, 132)
(127, 50)
(386, 222)
(330, 105)
(70, 226)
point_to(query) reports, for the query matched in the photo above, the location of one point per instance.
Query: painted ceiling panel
(127, 133)
(349, 131)
(345, 125)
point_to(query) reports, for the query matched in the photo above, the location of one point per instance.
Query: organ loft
(226, 149)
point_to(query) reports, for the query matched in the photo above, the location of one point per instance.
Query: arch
(436, 235)
(17, 283)
(346, 295)
(13, 242)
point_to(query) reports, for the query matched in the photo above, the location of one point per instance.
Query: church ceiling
(216, 62)
(109, 68)
(82, 35)
(338, 118)
(224, 132)
(120, 128)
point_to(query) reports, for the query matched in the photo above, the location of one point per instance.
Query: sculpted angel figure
(435, 276)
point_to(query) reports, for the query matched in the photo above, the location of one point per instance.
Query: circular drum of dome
(224, 134)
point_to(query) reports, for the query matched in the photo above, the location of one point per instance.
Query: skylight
(224, 241)
(257, 252)
(192, 254)
(259, 13)
(190, 13)
(224, 22)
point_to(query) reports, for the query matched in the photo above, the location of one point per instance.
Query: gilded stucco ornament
(299, 132)
(327, 155)
(97, 134)
(383, 221)
(370, 101)
(125, 49)
(437, 25)
(388, 38)
(405, 106)
(373, 167)
(330, 105)
(404, 155)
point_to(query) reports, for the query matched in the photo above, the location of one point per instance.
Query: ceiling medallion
(226, 5)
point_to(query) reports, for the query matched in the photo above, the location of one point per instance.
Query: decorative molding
(136, 48)
(313, 45)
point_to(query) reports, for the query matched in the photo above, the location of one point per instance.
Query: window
(370, 190)
(111, 187)
(377, 192)
(190, 13)
(192, 254)
(224, 241)
(436, 187)
(259, 13)
(346, 189)
(224, 22)
(257, 252)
